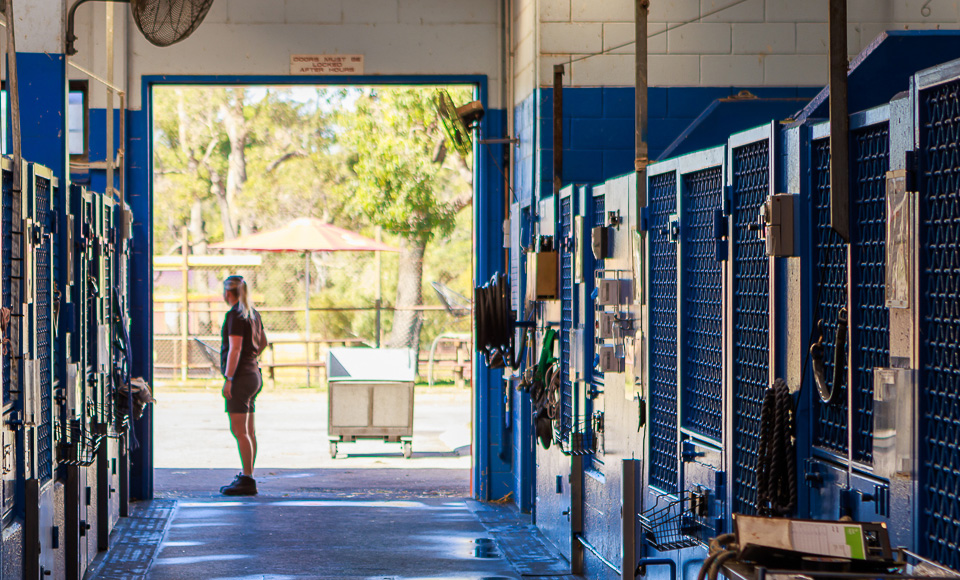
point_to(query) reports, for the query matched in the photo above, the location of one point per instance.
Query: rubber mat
(134, 542)
(521, 544)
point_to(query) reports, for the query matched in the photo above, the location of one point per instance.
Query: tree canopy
(231, 161)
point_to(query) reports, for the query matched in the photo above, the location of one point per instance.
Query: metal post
(306, 311)
(628, 514)
(185, 304)
(839, 121)
(642, 9)
(557, 137)
(109, 158)
(379, 238)
(576, 514)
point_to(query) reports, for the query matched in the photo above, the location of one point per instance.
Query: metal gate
(702, 304)
(869, 317)
(939, 296)
(869, 320)
(830, 296)
(662, 204)
(11, 299)
(749, 169)
(567, 309)
(42, 186)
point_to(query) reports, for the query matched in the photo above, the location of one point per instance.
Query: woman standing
(242, 341)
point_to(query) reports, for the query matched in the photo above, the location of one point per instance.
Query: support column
(41, 67)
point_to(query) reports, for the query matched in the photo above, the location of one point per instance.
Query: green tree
(405, 181)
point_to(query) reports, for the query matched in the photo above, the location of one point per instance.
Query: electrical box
(608, 292)
(31, 399)
(605, 325)
(900, 212)
(74, 390)
(600, 240)
(103, 347)
(776, 216)
(542, 276)
(610, 361)
(894, 433)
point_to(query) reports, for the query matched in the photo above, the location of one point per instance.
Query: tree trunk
(237, 131)
(407, 323)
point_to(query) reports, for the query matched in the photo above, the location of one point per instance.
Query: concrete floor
(369, 514)
(192, 431)
(338, 524)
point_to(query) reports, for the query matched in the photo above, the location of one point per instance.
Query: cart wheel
(333, 450)
(407, 449)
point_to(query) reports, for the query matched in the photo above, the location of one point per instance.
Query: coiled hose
(721, 549)
(495, 323)
(777, 465)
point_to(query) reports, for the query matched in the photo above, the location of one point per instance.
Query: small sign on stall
(326, 64)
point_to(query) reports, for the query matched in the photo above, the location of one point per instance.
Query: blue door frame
(490, 473)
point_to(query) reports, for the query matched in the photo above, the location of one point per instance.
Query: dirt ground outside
(191, 431)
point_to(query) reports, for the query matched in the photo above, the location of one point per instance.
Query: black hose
(495, 324)
(777, 465)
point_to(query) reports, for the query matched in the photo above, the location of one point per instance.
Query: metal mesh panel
(830, 291)
(940, 322)
(566, 315)
(702, 303)
(750, 318)
(599, 219)
(869, 317)
(44, 354)
(663, 334)
(7, 257)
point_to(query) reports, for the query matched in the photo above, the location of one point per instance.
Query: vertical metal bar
(14, 95)
(576, 513)
(557, 138)
(642, 9)
(379, 238)
(629, 493)
(185, 302)
(110, 156)
(839, 121)
(306, 310)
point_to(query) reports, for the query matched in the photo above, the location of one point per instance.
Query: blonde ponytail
(237, 286)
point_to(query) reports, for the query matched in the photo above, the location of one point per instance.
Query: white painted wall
(257, 37)
(757, 42)
(39, 24)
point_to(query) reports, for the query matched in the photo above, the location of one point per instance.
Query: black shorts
(243, 393)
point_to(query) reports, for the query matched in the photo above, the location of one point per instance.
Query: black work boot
(234, 482)
(242, 485)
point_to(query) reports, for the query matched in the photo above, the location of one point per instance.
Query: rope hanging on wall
(777, 466)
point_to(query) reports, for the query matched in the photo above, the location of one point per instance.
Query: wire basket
(81, 448)
(582, 440)
(669, 526)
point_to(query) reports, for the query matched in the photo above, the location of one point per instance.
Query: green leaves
(399, 180)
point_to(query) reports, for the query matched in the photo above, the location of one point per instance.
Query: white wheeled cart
(370, 396)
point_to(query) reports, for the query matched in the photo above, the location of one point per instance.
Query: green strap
(546, 355)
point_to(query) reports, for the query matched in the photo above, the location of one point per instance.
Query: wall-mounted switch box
(608, 292)
(600, 239)
(542, 276)
(776, 215)
(610, 362)
(605, 325)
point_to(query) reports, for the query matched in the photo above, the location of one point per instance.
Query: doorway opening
(236, 163)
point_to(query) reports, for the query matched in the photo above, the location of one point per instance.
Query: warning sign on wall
(326, 64)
